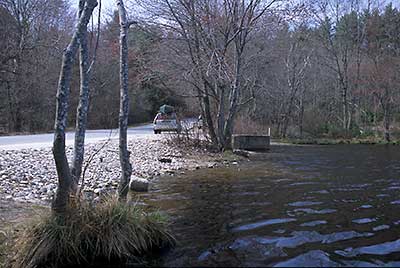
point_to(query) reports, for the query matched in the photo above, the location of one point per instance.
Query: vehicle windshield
(161, 116)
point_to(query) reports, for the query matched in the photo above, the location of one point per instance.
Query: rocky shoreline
(29, 175)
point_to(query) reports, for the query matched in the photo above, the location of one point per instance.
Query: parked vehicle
(166, 120)
(200, 122)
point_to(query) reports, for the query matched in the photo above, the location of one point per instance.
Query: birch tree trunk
(83, 106)
(61, 200)
(126, 167)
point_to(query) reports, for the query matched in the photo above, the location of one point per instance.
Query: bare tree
(82, 110)
(124, 154)
(83, 105)
(25, 24)
(192, 51)
(334, 18)
(216, 35)
(297, 62)
(65, 178)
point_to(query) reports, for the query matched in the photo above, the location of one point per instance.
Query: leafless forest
(327, 68)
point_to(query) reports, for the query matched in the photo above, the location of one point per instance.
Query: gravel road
(46, 140)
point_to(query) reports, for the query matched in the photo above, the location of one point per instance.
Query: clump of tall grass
(110, 231)
(5, 238)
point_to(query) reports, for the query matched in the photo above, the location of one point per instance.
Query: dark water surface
(303, 206)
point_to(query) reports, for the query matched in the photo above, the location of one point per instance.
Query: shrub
(190, 137)
(109, 230)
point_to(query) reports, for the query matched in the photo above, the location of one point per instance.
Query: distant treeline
(324, 68)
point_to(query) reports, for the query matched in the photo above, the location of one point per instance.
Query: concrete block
(251, 142)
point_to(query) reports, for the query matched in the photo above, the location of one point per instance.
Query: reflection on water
(250, 226)
(304, 206)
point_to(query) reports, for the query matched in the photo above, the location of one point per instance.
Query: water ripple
(261, 224)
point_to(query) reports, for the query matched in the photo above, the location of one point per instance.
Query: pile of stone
(29, 175)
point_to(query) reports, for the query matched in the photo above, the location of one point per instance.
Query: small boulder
(138, 184)
(212, 165)
(98, 191)
(165, 160)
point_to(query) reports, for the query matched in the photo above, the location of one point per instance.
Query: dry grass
(108, 231)
(5, 238)
(191, 137)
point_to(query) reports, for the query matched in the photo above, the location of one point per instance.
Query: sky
(107, 6)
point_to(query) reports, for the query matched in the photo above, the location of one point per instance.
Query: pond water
(303, 206)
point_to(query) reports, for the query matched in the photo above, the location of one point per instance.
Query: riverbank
(29, 175)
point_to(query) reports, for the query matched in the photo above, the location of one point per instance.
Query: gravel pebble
(29, 175)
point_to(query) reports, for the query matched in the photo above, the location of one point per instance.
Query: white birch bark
(60, 202)
(83, 107)
(124, 154)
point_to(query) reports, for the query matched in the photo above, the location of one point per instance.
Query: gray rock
(138, 184)
(98, 191)
(33, 171)
(165, 160)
